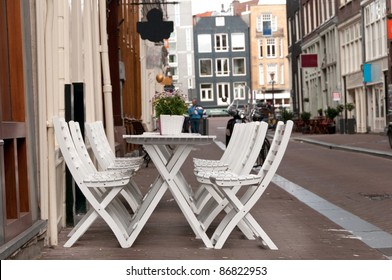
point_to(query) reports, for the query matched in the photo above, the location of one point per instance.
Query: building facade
(180, 48)
(351, 56)
(294, 40)
(222, 67)
(350, 40)
(375, 62)
(320, 36)
(269, 50)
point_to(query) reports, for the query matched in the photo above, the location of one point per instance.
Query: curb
(346, 148)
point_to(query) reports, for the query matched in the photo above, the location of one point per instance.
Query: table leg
(168, 167)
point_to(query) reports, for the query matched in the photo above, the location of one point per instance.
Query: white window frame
(266, 17)
(234, 66)
(240, 89)
(223, 89)
(237, 42)
(223, 38)
(222, 67)
(281, 70)
(260, 48)
(261, 75)
(204, 44)
(272, 68)
(271, 48)
(206, 92)
(200, 67)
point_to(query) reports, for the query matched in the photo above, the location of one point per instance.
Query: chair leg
(238, 213)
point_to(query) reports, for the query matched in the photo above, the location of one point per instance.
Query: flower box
(170, 124)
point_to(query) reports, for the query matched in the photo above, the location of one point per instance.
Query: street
(357, 183)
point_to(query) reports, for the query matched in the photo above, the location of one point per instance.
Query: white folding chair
(228, 184)
(201, 195)
(135, 198)
(106, 158)
(228, 155)
(249, 147)
(101, 190)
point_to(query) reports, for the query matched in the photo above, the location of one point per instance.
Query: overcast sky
(201, 6)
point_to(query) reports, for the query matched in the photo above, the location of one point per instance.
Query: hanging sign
(389, 29)
(308, 60)
(336, 96)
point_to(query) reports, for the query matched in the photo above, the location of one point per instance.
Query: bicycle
(242, 116)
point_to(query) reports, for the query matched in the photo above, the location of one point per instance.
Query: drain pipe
(107, 87)
(52, 196)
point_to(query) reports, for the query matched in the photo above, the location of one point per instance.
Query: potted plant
(170, 107)
(320, 112)
(331, 113)
(349, 126)
(350, 107)
(340, 108)
(287, 115)
(305, 117)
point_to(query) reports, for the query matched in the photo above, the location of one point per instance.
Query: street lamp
(272, 75)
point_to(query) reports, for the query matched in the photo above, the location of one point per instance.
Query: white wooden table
(169, 152)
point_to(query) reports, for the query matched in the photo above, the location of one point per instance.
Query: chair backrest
(138, 127)
(99, 144)
(243, 149)
(80, 145)
(255, 147)
(276, 151)
(271, 163)
(75, 165)
(234, 139)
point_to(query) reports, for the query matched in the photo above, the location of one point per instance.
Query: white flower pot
(170, 124)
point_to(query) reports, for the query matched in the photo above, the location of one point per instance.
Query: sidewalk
(298, 231)
(375, 144)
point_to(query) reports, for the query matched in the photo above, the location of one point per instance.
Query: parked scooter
(241, 116)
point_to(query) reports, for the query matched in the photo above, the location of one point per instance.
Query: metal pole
(345, 107)
(273, 95)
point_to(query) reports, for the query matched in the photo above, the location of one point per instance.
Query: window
(281, 52)
(188, 38)
(222, 67)
(174, 73)
(238, 41)
(261, 48)
(221, 43)
(375, 29)
(297, 29)
(272, 68)
(204, 43)
(261, 74)
(271, 47)
(223, 92)
(205, 67)
(240, 90)
(172, 59)
(239, 66)
(282, 74)
(206, 92)
(266, 24)
(290, 32)
(219, 21)
(172, 46)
